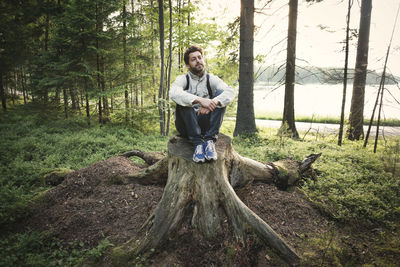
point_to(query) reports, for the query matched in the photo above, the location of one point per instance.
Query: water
(323, 100)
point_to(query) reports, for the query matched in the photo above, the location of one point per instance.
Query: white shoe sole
(199, 160)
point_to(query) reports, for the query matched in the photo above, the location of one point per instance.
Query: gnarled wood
(283, 173)
(154, 174)
(149, 157)
(200, 190)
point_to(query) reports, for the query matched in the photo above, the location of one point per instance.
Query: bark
(198, 191)
(101, 121)
(288, 121)
(346, 61)
(169, 71)
(106, 110)
(149, 157)
(74, 103)
(356, 117)
(87, 100)
(161, 111)
(124, 32)
(245, 120)
(98, 27)
(65, 94)
(23, 83)
(153, 74)
(2, 93)
(379, 117)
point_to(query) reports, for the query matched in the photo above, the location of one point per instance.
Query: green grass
(321, 119)
(32, 145)
(354, 185)
(41, 249)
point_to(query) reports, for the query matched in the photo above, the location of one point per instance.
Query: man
(201, 100)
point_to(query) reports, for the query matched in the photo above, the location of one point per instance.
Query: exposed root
(149, 157)
(202, 189)
(154, 174)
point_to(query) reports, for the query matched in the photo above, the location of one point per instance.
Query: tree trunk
(180, 49)
(57, 96)
(22, 82)
(169, 70)
(124, 34)
(100, 112)
(198, 191)
(65, 102)
(245, 121)
(161, 89)
(87, 100)
(73, 99)
(288, 121)
(106, 110)
(98, 62)
(2, 93)
(346, 61)
(356, 117)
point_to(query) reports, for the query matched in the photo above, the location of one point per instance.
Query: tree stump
(202, 189)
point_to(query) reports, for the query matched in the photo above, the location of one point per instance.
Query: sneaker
(209, 150)
(198, 155)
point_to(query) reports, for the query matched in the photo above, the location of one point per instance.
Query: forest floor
(94, 203)
(350, 216)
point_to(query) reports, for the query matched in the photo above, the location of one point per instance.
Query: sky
(320, 31)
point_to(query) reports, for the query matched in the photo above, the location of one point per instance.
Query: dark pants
(198, 128)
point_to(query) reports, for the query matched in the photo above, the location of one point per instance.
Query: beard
(198, 69)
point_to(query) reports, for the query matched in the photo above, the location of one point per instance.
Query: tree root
(202, 189)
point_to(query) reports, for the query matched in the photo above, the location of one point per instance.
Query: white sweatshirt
(198, 88)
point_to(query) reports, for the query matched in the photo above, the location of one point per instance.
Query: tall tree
(346, 61)
(245, 120)
(169, 69)
(2, 93)
(356, 118)
(161, 110)
(288, 121)
(125, 56)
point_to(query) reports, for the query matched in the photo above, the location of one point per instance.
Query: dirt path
(326, 128)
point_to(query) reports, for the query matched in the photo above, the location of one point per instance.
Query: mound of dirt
(95, 203)
(92, 204)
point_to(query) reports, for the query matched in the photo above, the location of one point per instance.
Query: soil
(96, 203)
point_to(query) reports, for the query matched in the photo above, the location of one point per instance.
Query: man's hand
(209, 104)
(203, 111)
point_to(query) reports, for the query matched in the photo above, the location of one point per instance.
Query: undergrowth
(354, 185)
(41, 249)
(321, 119)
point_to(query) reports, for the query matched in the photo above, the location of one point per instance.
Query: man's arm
(179, 95)
(207, 103)
(228, 94)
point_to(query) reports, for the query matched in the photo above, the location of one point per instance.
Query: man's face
(196, 63)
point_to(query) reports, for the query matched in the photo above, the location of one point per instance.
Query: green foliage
(319, 119)
(32, 145)
(41, 249)
(353, 183)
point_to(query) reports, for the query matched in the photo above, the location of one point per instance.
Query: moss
(288, 174)
(56, 176)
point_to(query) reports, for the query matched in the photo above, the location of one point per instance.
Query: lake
(323, 100)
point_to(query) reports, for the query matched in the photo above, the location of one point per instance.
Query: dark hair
(190, 50)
